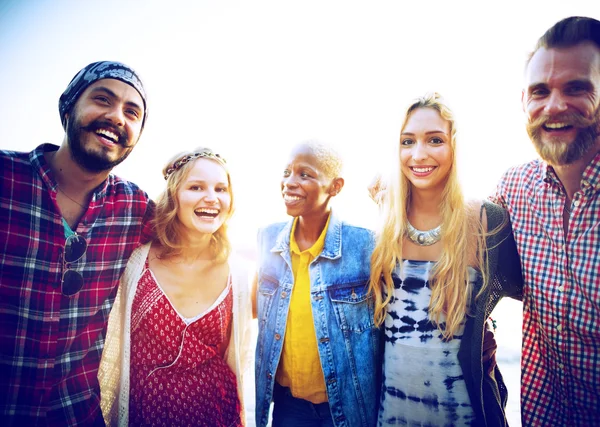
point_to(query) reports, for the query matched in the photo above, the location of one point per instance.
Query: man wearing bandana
(68, 229)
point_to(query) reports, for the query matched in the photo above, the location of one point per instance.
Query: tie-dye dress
(423, 382)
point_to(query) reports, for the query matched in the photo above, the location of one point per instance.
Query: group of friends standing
(118, 310)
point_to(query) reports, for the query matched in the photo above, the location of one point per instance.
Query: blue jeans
(289, 411)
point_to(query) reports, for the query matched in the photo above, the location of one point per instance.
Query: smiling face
(105, 124)
(204, 197)
(305, 186)
(562, 101)
(425, 150)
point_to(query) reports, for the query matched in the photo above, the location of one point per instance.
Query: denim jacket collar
(333, 239)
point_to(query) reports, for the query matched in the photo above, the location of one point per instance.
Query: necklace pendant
(424, 238)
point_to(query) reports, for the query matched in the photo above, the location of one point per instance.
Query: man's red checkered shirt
(50, 344)
(560, 382)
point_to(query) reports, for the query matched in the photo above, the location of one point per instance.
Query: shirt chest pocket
(267, 288)
(353, 307)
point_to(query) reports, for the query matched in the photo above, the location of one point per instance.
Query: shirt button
(576, 203)
(559, 328)
(277, 337)
(561, 366)
(283, 294)
(561, 288)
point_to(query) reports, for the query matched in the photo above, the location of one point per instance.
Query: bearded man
(554, 206)
(68, 229)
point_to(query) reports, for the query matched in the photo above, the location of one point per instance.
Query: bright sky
(250, 78)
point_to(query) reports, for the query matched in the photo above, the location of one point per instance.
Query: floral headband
(186, 159)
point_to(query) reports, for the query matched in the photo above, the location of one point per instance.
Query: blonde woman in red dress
(177, 337)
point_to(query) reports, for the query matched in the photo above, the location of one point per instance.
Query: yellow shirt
(300, 366)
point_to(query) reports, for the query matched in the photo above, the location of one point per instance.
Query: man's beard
(94, 161)
(557, 152)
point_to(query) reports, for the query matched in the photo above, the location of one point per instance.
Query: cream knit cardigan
(113, 374)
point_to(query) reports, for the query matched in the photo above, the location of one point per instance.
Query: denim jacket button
(318, 297)
(283, 294)
(331, 381)
(277, 337)
(269, 375)
(324, 339)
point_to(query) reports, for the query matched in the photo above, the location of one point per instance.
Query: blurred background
(249, 79)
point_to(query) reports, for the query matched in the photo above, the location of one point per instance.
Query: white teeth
(556, 125)
(288, 198)
(110, 135)
(422, 170)
(207, 211)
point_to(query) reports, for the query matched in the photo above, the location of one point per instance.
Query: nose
(116, 116)
(555, 103)
(210, 196)
(289, 182)
(419, 151)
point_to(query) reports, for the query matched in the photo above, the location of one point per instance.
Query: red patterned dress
(178, 374)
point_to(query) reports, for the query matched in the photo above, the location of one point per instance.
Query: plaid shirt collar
(39, 163)
(590, 179)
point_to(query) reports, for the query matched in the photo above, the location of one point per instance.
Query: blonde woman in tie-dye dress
(435, 289)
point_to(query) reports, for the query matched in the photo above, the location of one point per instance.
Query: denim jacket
(348, 341)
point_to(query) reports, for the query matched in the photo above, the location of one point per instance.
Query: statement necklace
(424, 238)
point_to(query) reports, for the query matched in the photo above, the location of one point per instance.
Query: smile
(109, 135)
(207, 212)
(425, 169)
(556, 126)
(289, 198)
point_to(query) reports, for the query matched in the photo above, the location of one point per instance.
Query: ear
(523, 100)
(336, 186)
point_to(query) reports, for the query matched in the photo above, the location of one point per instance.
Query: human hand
(489, 346)
(376, 188)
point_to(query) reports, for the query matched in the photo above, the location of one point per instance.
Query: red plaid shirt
(50, 344)
(560, 382)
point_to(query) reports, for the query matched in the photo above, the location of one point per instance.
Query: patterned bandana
(90, 74)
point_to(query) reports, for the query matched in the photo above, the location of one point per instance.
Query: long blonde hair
(450, 287)
(167, 227)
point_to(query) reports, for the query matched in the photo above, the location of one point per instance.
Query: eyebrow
(538, 85)
(542, 85)
(202, 181)
(114, 95)
(308, 168)
(426, 133)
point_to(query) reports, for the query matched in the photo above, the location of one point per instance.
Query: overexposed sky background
(250, 78)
